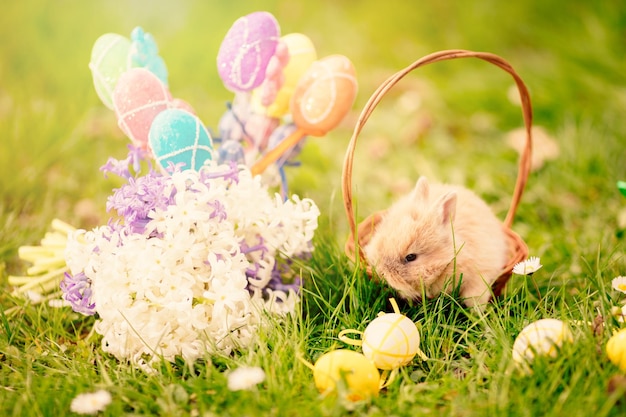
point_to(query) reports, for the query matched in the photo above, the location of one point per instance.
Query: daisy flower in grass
(619, 284)
(245, 378)
(190, 263)
(91, 403)
(527, 267)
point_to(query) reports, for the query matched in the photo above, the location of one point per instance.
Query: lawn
(450, 121)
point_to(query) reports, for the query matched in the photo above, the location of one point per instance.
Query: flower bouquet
(197, 250)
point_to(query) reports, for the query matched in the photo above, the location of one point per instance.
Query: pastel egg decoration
(541, 338)
(246, 50)
(361, 378)
(302, 54)
(109, 60)
(145, 53)
(322, 98)
(324, 95)
(391, 341)
(138, 98)
(616, 349)
(179, 137)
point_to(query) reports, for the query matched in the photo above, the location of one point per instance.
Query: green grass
(55, 134)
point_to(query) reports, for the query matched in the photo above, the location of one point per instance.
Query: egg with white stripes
(540, 338)
(179, 137)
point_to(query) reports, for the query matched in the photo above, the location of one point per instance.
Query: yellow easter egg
(301, 55)
(616, 349)
(540, 338)
(359, 374)
(390, 341)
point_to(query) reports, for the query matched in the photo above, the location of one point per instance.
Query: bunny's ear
(420, 192)
(447, 208)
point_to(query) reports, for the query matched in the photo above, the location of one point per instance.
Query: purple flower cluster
(77, 291)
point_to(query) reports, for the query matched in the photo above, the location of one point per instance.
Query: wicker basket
(518, 251)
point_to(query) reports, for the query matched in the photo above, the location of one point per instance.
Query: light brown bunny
(433, 232)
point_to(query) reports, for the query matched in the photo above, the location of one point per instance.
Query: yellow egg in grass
(391, 341)
(541, 338)
(616, 349)
(361, 378)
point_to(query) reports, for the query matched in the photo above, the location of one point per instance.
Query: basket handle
(524, 161)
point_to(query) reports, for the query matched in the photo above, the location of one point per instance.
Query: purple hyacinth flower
(77, 291)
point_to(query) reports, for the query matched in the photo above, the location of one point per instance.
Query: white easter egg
(541, 338)
(390, 341)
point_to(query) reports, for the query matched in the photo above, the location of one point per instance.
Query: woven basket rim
(359, 234)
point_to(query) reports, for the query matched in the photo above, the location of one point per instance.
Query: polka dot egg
(390, 341)
(178, 136)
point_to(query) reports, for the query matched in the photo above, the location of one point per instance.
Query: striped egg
(138, 98)
(324, 95)
(541, 338)
(177, 136)
(109, 60)
(246, 50)
(390, 341)
(301, 55)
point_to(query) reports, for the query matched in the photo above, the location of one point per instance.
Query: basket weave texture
(361, 234)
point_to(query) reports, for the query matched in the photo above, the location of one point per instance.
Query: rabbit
(436, 233)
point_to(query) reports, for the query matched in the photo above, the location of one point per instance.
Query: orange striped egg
(324, 95)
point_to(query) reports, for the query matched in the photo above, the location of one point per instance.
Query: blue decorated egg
(178, 136)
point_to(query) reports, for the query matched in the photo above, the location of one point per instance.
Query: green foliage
(55, 134)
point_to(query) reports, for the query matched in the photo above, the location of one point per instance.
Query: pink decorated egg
(324, 95)
(138, 98)
(246, 50)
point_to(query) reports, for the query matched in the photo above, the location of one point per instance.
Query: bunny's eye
(410, 257)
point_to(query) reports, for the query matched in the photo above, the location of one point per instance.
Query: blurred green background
(55, 133)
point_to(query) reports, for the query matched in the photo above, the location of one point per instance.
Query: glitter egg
(246, 50)
(360, 376)
(616, 349)
(138, 98)
(109, 60)
(390, 341)
(324, 95)
(541, 338)
(178, 136)
(301, 55)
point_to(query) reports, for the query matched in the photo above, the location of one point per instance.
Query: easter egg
(138, 97)
(359, 374)
(231, 151)
(390, 341)
(178, 136)
(540, 338)
(324, 95)
(616, 349)
(246, 50)
(109, 60)
(301, 55)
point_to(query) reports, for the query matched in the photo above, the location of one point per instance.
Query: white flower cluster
(197, 278)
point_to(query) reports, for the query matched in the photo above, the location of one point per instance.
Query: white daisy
(245, 378)
(527, 267)
(619, 284)
(90, 403)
